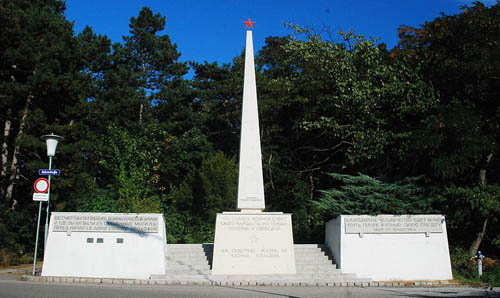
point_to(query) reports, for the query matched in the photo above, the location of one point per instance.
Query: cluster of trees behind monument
(347, 125)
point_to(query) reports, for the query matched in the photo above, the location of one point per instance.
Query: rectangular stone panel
(393, 224)
(253, 244)
(95, 222)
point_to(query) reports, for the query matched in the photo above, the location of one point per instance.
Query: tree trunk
(5, 155)
(477, 242)
(311, 187)
(482, 172)
(141, 108)
(9, 201)
(5, 149)
(479, 236)
(270, 171)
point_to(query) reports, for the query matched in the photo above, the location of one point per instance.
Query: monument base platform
(259, 243)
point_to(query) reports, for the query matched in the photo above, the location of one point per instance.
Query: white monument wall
(390, 247)
(105, 245)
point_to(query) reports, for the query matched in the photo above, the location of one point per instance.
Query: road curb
(152, 282)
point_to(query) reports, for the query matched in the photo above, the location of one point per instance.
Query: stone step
(181, 277)
(315, 266)
(288, 277)
(176, 272)
(194, 249)
(209, 246)
(182, 258)
(317, 269)
(309, 260)
(188, 267)
(191, 263)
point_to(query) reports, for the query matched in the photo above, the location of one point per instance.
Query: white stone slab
(405, 247)
(253, 244)
(250, 178)
(401, 224)
(105, 245)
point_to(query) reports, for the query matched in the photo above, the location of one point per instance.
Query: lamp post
(51, 141)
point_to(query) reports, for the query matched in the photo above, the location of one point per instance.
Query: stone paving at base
(152, 282)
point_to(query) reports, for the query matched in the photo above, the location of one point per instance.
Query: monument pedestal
(253, 243)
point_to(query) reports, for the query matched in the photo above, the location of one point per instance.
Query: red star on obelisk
(249, 24)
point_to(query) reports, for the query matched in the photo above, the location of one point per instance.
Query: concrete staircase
(191, 263)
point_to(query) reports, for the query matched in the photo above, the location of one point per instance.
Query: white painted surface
(140, 255)
(250, 179)
(253, 244)
(384, 257)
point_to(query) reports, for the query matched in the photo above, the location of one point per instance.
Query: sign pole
(37, 232)
(48, 205)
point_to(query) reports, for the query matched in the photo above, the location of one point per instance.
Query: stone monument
(390, 247)
(105, 245)
(252, 242)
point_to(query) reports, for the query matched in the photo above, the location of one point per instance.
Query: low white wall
(133, 245)
(390, 256)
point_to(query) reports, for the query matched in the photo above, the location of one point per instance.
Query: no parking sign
(41, 187)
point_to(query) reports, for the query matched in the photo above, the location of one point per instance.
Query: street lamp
(51, 141)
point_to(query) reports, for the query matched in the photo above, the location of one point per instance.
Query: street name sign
(47, 172)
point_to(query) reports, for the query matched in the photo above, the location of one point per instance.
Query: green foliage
(459, 55)
(15, 232)
(464, 268)
(462, 263)
(467, 208)
(367, 195)
(209, 189)
(206, 191)
(482, 199)
(349, 106)
(132, 162)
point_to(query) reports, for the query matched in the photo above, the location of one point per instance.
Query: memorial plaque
(122, 223)
(253, 244)
(393, 224)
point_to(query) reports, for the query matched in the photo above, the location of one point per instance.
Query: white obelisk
(250, 179)
(252, 242)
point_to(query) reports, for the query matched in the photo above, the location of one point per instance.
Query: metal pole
(480, 267)
(48, 205)
(37, 232)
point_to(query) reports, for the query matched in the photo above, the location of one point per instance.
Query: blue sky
(214, 30)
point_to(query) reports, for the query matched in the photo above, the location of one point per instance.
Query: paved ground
(14, 288)
(16, 272)
(11, 286)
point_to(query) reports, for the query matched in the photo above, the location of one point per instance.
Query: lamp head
(51, 141)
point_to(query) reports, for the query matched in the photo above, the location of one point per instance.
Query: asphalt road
(14, 288)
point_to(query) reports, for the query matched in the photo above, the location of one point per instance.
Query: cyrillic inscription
(393, 224)
(259, 223)
(122, 223)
